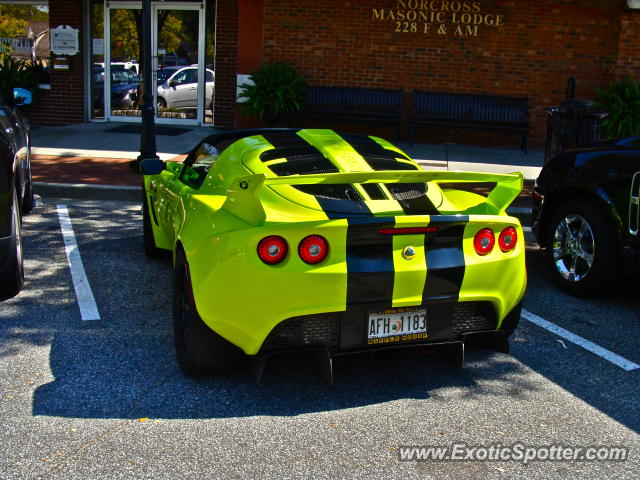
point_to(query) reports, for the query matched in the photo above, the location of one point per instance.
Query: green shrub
(622, 101)
(278, 89)
(18, 73)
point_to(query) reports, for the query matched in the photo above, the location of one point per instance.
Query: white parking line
(608, 355)
(86, 302)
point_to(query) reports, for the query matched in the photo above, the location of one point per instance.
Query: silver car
(180, 90)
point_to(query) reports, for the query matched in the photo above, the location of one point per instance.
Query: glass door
(178, 51)
(121, 72)
(183, 87)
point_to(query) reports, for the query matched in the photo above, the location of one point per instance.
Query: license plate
(397, 325)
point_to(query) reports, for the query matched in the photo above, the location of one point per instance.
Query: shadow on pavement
(123, 366)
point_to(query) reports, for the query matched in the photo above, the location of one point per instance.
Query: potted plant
(275, 89)
(622, 101)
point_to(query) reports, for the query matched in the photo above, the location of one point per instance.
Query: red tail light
(484, 241)
(313, 249)
(508, 239)
(272, 249)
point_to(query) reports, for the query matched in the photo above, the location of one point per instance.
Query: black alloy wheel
(581, 255)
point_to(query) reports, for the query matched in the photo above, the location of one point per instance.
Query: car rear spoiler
(242, 195)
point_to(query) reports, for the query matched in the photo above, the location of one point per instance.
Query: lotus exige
(288, 239)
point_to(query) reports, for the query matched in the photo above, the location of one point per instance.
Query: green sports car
(288, 239)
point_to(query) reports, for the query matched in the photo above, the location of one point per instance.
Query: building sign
(462, 18)
(64, 40)
(15, 45)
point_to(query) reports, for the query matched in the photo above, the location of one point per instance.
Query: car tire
(150, 248)
(12, 279)
(162, 103)
(28, 201)
(199, 350)
(581, 252)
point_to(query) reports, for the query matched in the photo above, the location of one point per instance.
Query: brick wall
(629, 45)
(226, 63)
(531, 49)
(64, 103)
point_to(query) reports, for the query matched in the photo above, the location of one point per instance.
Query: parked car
(163, 74)
(309, 240)
(586, 215)
(16, 192)
(180, 90)
(124, 88)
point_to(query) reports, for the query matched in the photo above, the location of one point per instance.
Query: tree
(15, 21)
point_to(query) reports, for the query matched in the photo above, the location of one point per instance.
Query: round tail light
(272, 249)
(484, 241)
(313, 249)
(507, 239)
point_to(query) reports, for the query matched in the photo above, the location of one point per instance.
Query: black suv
(16, 195)
(586, 213)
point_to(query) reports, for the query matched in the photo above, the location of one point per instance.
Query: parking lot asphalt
(105, 399)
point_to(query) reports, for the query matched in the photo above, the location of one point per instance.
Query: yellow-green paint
(220, 224)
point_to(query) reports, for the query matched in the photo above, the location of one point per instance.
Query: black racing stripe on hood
(285, 139)
(370, 270)
(302, 158)
(445, 262)
(411, 197)
(371, 148)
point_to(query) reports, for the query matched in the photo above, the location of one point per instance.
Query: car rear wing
(242, 195)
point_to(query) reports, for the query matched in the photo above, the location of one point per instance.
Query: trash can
(572, 123)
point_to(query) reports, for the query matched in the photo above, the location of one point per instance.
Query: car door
(184, 89)
(209, 84)
(21, 133)
(16, 128)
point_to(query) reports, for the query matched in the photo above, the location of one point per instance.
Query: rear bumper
(346, 332)
(244, 300)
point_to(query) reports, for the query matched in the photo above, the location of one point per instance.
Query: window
(186, 76)
(24, 36)
(205, 156)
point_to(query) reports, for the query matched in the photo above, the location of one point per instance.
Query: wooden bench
(470, 111)
(363, 105)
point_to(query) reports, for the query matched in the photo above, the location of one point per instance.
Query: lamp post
(148, 134)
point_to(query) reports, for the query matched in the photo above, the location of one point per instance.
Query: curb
(88, 191)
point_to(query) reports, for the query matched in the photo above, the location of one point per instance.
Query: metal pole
(148, 134)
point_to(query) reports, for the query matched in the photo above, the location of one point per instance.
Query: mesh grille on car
(383, 162)
(290, 153)
(335, 192)
(306, 166)
(302, 332)
(407, 191)
(473, 316)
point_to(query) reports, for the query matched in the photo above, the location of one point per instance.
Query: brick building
(505, 47)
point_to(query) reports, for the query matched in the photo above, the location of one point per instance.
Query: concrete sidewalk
(90, 160)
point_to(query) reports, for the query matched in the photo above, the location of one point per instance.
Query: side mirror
(22, 96)
(152, 166)
(173, 84)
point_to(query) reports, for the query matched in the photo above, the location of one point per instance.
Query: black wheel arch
(576, 192)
